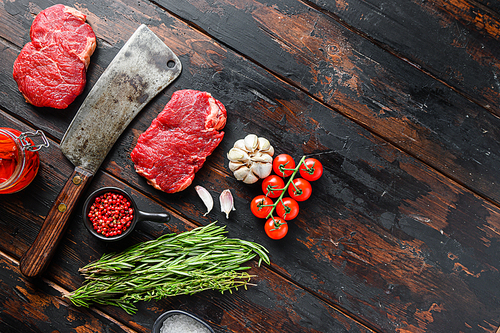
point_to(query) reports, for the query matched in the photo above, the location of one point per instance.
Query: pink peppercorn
(111, 214)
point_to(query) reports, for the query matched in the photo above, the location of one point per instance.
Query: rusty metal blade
(141, 69)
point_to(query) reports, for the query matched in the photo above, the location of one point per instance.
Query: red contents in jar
(10, 156)
(111, 214)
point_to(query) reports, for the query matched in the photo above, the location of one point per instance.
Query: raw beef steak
(179, 140)
(51, 69)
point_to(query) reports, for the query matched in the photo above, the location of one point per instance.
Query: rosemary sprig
(173, 264)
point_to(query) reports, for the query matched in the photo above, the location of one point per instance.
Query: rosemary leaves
(173, 264)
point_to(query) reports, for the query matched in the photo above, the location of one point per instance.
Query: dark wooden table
(398, 99)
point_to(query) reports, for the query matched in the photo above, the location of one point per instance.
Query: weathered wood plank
(371, 191)
(491, 5)
(465, 34)
(408, 217)
(28, 306)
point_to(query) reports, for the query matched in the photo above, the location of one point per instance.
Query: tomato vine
(298, 189)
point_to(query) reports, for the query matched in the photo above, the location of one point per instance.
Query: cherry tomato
(276, 228)
(300, 189)
(270, 184)
(259, 206)
(287, 208)
(311, 169)
(283, 165)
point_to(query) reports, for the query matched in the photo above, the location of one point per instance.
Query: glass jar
(19, 159)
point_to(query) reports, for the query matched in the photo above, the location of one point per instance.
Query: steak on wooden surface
(179, 140)
(51, 69)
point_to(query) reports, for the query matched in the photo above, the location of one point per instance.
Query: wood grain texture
(392, 240)
(296, 119)
(273, 305)
(386, 94)
(493, 6)
(465, 33)
(36, 260)
(39, 307)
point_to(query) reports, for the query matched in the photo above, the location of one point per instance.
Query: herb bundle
(173, 264)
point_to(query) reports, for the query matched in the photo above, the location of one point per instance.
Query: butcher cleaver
(141, 69)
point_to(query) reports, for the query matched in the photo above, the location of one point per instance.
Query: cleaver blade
(142, 68)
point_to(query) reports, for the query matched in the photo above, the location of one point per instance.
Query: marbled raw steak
(51, 69)
(175, 146)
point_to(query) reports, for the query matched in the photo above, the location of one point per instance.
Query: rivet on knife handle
(36, 259)
(77, 180)
(62, 207)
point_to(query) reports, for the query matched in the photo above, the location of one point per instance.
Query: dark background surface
(398, 100)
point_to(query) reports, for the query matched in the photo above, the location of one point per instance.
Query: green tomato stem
(271, 189)
(286, 187)
(297, 190)
(311, 169)
(282, 168)
(277, 224)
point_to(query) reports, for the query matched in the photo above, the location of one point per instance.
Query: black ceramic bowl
(159, 322)
(139, 216)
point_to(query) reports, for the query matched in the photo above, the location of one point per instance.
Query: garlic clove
(264, 144)
(226, 202)
(240, 144)
(233, 166)
(261, 170)
(205, 197)
(269, 151)
(245, 174)
(242, 172)
(237, 155)
(262, 158)
(250, 178)
(251, 142)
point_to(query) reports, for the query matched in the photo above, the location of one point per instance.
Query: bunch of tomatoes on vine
(282, 198)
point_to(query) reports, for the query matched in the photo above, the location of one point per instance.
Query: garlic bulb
(251, 158)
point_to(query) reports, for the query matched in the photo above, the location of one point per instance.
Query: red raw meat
(51, 69)
(179, 140)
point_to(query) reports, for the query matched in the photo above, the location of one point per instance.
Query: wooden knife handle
(38, 256)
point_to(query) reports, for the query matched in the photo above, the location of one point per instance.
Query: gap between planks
(393, 52)
(10, 44)
(60, 289)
